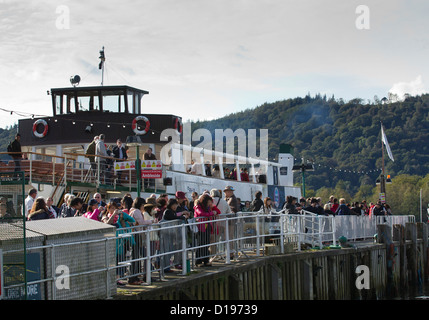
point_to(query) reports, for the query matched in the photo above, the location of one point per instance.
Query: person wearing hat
(379, 209)
(231, 199)
(220, 203)
(181, 199)
(93, 211)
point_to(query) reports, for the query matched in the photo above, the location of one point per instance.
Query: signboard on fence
(146, 164)
(150, 169)
(14, 271)
(151, 174)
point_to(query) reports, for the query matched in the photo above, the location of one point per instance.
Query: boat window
(59, 104)
(110, 104)
(70, 104)
(130, 102)
(88, 103)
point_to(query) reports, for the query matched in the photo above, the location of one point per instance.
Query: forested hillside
(6, 136)
(342, 139)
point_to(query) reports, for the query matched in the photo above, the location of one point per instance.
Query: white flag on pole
(384, 139)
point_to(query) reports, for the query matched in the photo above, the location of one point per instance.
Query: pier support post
(411, 235)
(384, 235)
(399, 236)
(236, 288)
(307, 274)
(276, 283)
(422, 233)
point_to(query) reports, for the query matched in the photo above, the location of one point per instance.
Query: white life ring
(178, 125)
(45, 130)
(135, 127)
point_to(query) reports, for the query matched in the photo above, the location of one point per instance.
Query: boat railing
(77, 168)
(71, 168)
(36, 166)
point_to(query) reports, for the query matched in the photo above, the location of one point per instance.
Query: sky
(202, 59)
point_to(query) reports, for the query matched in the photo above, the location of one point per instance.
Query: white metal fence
(364, 227)
(233, 236)
(151, 250)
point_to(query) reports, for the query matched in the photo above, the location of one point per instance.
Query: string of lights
(361, 172)
(347, 170)
(21, 113)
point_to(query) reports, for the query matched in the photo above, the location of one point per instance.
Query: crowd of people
(127, 212)
(335, 207)
(160, 207)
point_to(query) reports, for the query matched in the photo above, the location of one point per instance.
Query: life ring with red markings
(136, 128)
(45, 128)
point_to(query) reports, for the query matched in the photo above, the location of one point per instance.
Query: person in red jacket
(335, 205)
(203, 211)
(244, 175)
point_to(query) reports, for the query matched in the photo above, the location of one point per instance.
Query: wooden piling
(307, 272)
(422, 233)
(384, 233)
(411, 236)
(399, 237)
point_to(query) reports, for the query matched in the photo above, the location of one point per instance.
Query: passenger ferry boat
(56, 163)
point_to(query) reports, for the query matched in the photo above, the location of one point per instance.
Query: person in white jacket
(224, 208)
(100, 150)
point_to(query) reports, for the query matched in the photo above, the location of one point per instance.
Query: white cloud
(413, 88)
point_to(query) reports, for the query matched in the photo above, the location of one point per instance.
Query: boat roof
(89, 90)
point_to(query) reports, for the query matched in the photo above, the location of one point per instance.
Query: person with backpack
(14, 149)
(219, 202)
(119, 152)
(343, 210)
(257, 203)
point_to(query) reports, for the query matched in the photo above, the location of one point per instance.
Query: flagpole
(382, 153)
(101, 65)
(382, 180)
